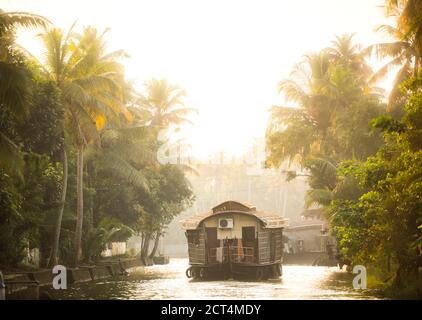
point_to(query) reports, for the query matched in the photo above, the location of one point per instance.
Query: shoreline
(33, 280)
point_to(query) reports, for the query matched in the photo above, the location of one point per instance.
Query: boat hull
(225, 271)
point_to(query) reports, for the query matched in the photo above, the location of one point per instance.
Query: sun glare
(228, 55)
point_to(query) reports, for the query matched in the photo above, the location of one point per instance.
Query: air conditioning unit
(225, 223)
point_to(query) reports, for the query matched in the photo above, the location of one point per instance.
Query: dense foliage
(362, 158)
(78, 148)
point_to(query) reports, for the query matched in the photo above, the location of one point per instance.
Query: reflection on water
(169, 282)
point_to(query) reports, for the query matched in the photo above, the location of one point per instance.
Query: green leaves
(389, 211)
(11, 20)
(11, 157)
(386, 123)
(91, 80)
(108, 230)
(80, 98)
(363, 165)
(318, 197)
(15, 88)
(334, 103)
(126, 171)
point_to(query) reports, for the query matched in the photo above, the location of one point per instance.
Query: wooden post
(229, 257)
(206, 245)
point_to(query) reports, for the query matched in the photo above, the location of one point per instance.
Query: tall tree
(92, 85)
(326, 88)
(163, 104)
(345, 52)
(377, 219)
(335, 105)
(405, 50)
(163, 109)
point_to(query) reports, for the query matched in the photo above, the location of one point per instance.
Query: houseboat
(234, 240)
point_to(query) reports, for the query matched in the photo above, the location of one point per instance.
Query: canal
(169, 282)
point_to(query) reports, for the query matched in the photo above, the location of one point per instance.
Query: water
(169, 282)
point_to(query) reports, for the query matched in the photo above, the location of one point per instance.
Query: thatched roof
(269, 220)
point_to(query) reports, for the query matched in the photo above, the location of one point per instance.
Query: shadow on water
(169, 282)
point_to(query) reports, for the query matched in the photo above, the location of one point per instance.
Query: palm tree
(309, 86)
(322, 181)
(14, 80)
(409, 17)
(345, 52)
(405, 50)
(92, 85)
(323, 86)
(163, 104)
(163, 108)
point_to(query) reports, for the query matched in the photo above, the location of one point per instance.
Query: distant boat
(234, 240)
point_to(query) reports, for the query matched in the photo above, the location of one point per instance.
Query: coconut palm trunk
(145, 246)
(155, 247)
(79, 205)
(55, 250)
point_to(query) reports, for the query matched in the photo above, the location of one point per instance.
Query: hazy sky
(229, 55)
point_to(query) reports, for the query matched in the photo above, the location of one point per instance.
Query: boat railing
(237, 254)
(213, 254)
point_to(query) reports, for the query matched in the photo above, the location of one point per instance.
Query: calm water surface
(169, 282)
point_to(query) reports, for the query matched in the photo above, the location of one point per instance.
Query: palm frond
(127, 171)
(176, 99)
(293, 91)
(15, 88)
(381, 73)
(14, 19)
(318, 196)
(389, 30)
(387, 49)
(11, 157)
(403, 74)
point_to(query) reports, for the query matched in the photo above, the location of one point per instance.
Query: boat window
(193, 238)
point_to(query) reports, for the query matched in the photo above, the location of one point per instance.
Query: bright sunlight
(228, 55)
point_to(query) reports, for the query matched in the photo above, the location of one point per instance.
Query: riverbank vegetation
(360, 150)
(78, 148)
